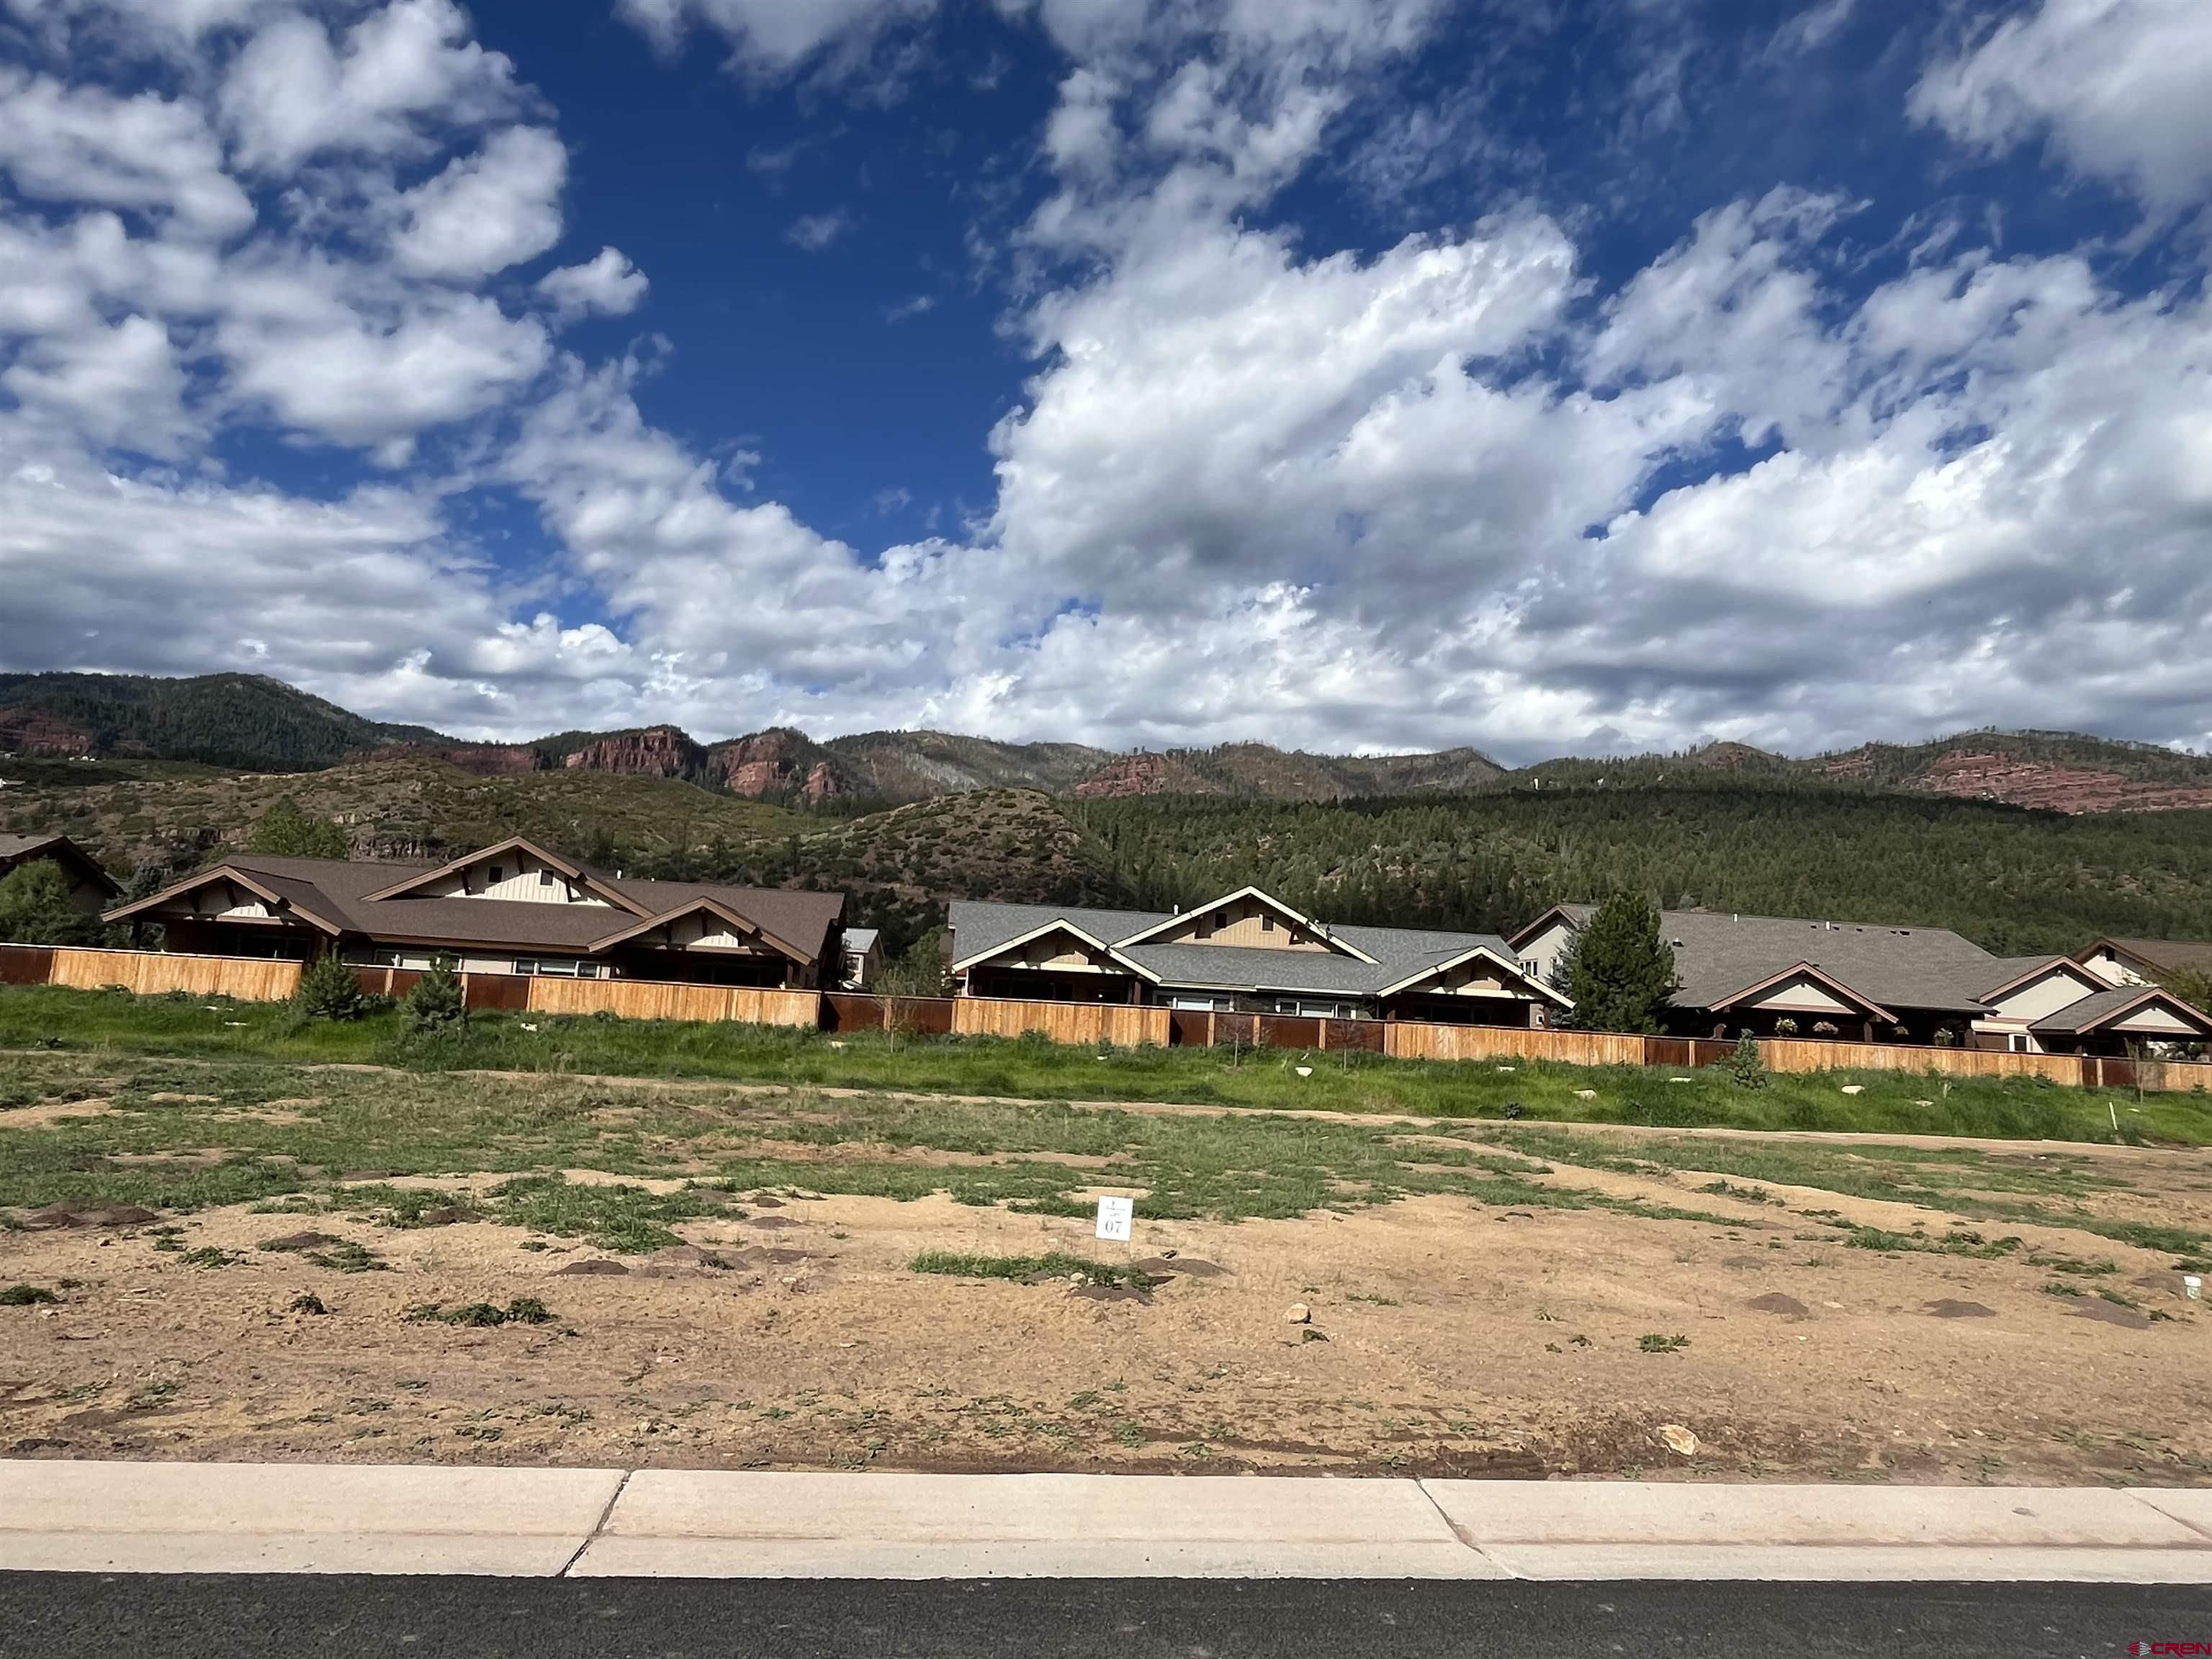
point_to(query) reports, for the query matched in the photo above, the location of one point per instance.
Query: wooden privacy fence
(631, 998)
(1408, 1040)
(153, 973)
(1074, 1023)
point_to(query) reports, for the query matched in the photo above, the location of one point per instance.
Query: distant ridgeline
(252, 723)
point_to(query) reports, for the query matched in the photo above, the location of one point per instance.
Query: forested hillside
(243, 721)
(2012, 879)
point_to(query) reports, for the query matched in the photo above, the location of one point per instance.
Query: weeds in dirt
(307, 1303)
(348, 1257)
(210, 1255)
(149, 1396)
(1653, 1342)
(1056, 1264)
(523, 1310)
(2060, 1287)
(26, 1296)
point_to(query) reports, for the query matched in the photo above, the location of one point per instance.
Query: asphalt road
(85, 1616)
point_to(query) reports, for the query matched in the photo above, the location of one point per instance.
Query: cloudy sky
(1542, 374)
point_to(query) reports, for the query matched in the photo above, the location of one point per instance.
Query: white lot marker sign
(1116, 1217)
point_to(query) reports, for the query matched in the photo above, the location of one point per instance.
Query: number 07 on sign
(1115, 1218)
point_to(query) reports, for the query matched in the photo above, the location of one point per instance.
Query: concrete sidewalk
(178, 1517)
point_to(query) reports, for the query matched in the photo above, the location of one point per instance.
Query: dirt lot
(1447, 1335)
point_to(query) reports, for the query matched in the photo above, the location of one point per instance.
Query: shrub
(330, 990)
(1618, 969)
(36, 908)
(1745, 1067)
(437, 1004)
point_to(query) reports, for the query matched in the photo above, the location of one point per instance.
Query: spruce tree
(330, 990)
(1619, 971)
(437, 1002)
(36, 908)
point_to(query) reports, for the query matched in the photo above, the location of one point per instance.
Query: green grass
(33, 1017)
(523, 1310)
(26, 1296)
(1056, 1264)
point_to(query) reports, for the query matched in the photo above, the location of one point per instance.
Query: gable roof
(16, 849)
(1805, 970)
(2013, 972)
(2165, 956)
(582, 875)
(1720, 956)
(1387, 954)
(713, 906)
(273, 889)
(344, 894)
(1510, 964)
(1268, 899)
(2103, 1008)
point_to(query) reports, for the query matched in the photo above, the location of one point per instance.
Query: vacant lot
(255, 1259)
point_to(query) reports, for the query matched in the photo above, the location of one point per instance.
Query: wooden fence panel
(632, 999)
(849, 1010)
(1797, 1055)
(1072, 1023)
(1414, 1040)
(1289, 1032)
(1362, 1036)
(25, 964)
(2175, 1076)
(155, 973)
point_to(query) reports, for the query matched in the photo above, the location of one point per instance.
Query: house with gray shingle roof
(1245, 952)
(511, 908)
(1864, 982)
(91, 888)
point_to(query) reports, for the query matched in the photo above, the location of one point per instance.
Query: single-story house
(513, 907)
(91, 888)
(2145, 961)
(1780, 975)
(1245, 952)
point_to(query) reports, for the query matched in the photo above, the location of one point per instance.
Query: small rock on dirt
(1679, 1439)
(302, 1241)
(764, 1202)
(1107, 1294)
(1299, 1314)
(447, 1215)
(2110, 1313)
(773, 1222)
(591, 1266)
(1947, 1308)
(1774, 1303)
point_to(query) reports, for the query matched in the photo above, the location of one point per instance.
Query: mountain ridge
(256, 723)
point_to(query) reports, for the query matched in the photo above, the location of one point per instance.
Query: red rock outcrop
(660, 751)
(26, 732)
(775, 762)
(2055, 788)
(1144, 775)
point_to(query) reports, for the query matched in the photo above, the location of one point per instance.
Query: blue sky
(1601, 374)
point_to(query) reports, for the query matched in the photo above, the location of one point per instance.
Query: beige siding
(1058, 951)
(1246, 924)
(1542, 953)
(1806, 995)
(2153, 1021)
(2059, 988)
(523, 879)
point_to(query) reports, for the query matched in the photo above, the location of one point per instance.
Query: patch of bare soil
(1445, 1338)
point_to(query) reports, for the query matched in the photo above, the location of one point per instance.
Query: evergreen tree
(1621, 972)
(286, 832)
(437, 1003)
(330, 990)
(1745, 1067)
(35, 908)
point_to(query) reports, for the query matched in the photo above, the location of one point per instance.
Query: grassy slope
(111, 1023)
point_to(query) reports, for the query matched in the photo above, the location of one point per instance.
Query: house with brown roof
(511, 908)
(1859, 982)
(1244, 952)
(2145, 960)
(92, 889)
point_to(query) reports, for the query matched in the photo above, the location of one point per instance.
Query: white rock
(1585, 1094)
(1854, 1088)
(1303, 1071)
(1679, 1439)
(1299, 1314)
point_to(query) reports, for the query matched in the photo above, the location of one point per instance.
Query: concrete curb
(249, 1518)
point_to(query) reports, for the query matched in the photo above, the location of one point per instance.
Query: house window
(1191, 1005)
(1266, 924)
(554, 968)
(498, 874)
